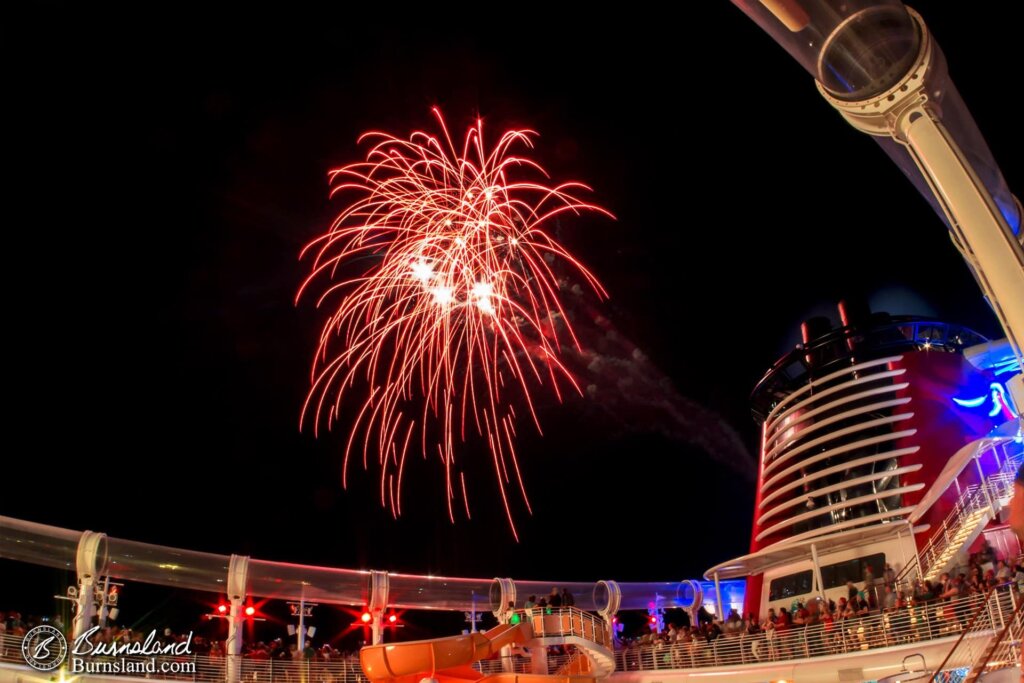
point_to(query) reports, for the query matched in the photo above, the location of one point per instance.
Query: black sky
(166, 167)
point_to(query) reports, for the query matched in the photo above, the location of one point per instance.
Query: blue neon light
(997, 394)
(1002, 366)
(1009, 211)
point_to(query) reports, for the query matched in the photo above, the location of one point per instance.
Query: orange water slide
(448, 660)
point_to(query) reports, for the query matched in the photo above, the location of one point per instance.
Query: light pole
(301, 609)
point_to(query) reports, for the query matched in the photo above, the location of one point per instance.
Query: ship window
(835, 575)
(791, 585)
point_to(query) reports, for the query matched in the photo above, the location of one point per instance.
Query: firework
(453, 314)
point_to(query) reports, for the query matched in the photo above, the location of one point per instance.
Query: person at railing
(987, 555)
(799, 615)
(889, 598)
(751, 625)
(1018, 578)
(733, 623)
(15, 626)
(890, 576)
(947, 589)
(975, 581)
(869, 576)
(814, 629)
(555, 598)
(961, 606)
(828, 626)
(567, 599)
(1003, 572)
(530, 603)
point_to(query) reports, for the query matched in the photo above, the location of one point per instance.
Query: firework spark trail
(458, 316)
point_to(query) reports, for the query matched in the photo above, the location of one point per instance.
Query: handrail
(917, 623)
(550, 622)
(972, 499)
(981, 664)
(982, 609)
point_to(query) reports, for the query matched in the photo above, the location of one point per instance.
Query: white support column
(91, 560)
(718, 598)
(238, 569)
(910, 113)
(378, 603)
(817, 572)
(903, 551)
(302, 627)
(981, 230)
(233, 644)
(376, 628)
(503, 592)
(609, 611)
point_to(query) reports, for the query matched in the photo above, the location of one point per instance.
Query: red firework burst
(458, 315)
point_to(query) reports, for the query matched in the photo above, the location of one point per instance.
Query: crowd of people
(937, 607)
(556, 598)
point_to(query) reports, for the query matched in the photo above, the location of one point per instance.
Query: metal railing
(973, 500)
(1005, 651)
(214, 669)
(565, 621)
(905, 625)
(522, 665)
(992, 614)
(992, 636)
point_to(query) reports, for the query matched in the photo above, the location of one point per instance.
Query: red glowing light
(366, 617)
(451, 309)
(222, 608)
(393, 618)
(250, 610)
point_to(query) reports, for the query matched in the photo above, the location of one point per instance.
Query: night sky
(164, 170)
